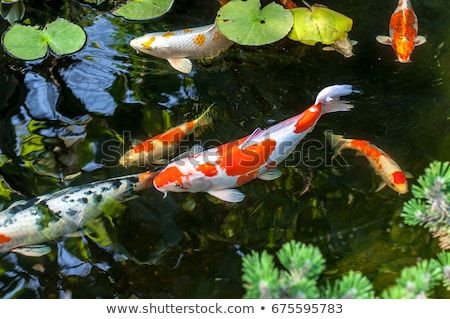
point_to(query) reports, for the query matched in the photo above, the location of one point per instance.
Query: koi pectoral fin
(270, 175)
(380, 187)
(33, 250)
(419, 40)
(328, 48)
(183, 65)
(228, 195)
(384, 40)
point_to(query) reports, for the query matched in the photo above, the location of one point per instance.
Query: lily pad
(30, 43)
(64, 37)
(24, 42)
(319, 24)
(245, 23)
(139, 10)
(12, 12)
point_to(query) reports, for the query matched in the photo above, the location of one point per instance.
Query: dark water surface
(56, 114)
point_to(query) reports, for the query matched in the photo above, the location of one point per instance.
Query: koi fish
(218, 171)
(26, 225)
(403, 31)
(182, 46)
(390, 172)
(343, 46)
(157, 149)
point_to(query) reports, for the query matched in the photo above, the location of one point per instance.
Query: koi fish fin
(328, 48)
(270, 175)
(381, 186)
(329, 97)
(33, 250)
(160, 161)
(338, 142)
(353, 42)
(419, 40)
(253, 138)
(408, 175)
(228, 195)
(183, 65)
(205, 119)
(196, 149)
(384, 40)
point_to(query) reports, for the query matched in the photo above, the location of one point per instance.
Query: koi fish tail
(206, 118)
(329, 98)
(338, 142)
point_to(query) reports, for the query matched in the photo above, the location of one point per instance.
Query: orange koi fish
(157, 149)
(390, 172)
(219, 170)
(403, 31)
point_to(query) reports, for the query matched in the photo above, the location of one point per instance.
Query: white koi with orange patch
(157, 149)
(390, 172)
(219, 170)
(179, 47)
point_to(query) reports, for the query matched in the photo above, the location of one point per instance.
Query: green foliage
(245, 23)
(141, 10)
(304, 264)
(430, 206)
(319, 24)
(12, 11)
(31, 43)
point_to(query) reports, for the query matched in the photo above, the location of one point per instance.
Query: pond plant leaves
(319, 24)
(245, 23)
(12, 11)
(31, 43)
(140, 10)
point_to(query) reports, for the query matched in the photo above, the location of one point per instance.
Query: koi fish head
(178, 178)
(151, 44)
(403, 48)
(399, 182)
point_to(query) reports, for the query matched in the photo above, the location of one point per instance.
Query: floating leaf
(5, 189)
(140, 10)
(12, 12)
(24, 42)
(319, 24)
(30, 43)
(64, 37)
(244, 22)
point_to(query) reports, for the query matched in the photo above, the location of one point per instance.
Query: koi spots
(399, 177)
(145, 180)
(146, 146)
(244, 179)
(168, 35)
(4, 239)
(208, 169)
(172, 136)
(200, 39)
(237, 162)
(148, 44)
(308, 119)
(169, 175)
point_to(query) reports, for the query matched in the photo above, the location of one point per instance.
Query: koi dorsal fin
(253, 138)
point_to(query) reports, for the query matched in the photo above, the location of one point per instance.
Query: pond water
(56, 114)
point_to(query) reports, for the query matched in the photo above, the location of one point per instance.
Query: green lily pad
(139, 10)
(12, 12)
(30, 43)
(319, 24)
(245, 23)
(64, 37)
(24, 42)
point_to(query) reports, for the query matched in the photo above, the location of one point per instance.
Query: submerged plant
(430, 206)
(303, 265)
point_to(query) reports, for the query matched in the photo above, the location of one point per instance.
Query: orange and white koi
(179, 47)
(403, 31)
(26, 226)
(390, 172)
(157, 149)
(218, 171)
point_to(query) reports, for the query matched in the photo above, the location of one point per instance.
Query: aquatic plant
(303, 265)
(141, 10)
(430, 206)
(31, 43)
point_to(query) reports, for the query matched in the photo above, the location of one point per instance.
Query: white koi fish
(182, 46)
(26, 225)
(390, 172)
(218, 171)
